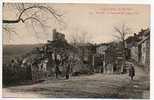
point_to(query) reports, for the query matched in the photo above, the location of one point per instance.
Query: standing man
(131, 71)
(57, 62)
(68, 66)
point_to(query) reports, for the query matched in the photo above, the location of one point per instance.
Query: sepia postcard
(76, 50)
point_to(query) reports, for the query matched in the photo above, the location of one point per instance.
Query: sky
(95, 21)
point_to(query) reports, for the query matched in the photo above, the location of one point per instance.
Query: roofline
(143, 40)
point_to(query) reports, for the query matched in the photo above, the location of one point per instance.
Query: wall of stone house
(148, 55)
(148, 52)
(145, 51)
(134, 53)
(145, 60)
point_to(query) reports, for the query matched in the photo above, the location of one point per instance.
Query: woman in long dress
(131, 71)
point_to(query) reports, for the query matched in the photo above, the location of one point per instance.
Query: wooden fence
(18, 74)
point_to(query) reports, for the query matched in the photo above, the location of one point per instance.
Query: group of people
(62, 61)
(40, 65)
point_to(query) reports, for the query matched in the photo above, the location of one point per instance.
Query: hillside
(10, 51)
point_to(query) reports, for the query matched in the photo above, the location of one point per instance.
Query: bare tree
(122, 33)
(79, 38)
(30, 13)
(24, 10)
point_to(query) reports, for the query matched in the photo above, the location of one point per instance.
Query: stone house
(100, 49)
(144, 51)
(139, 45)
(134, 53)
(87, 53)
(100, 56)
(113, 58)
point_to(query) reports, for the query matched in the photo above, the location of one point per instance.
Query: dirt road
(92, 86)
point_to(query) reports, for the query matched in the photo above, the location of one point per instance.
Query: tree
(79, 38)
(122, 33)
(24, 9)
(29, 13)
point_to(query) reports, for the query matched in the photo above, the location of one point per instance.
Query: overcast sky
(97, 21)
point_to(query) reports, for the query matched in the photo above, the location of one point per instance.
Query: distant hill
(11, 51)
(18, 49)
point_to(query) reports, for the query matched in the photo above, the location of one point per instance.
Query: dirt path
(93, 86)
(138, 88)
